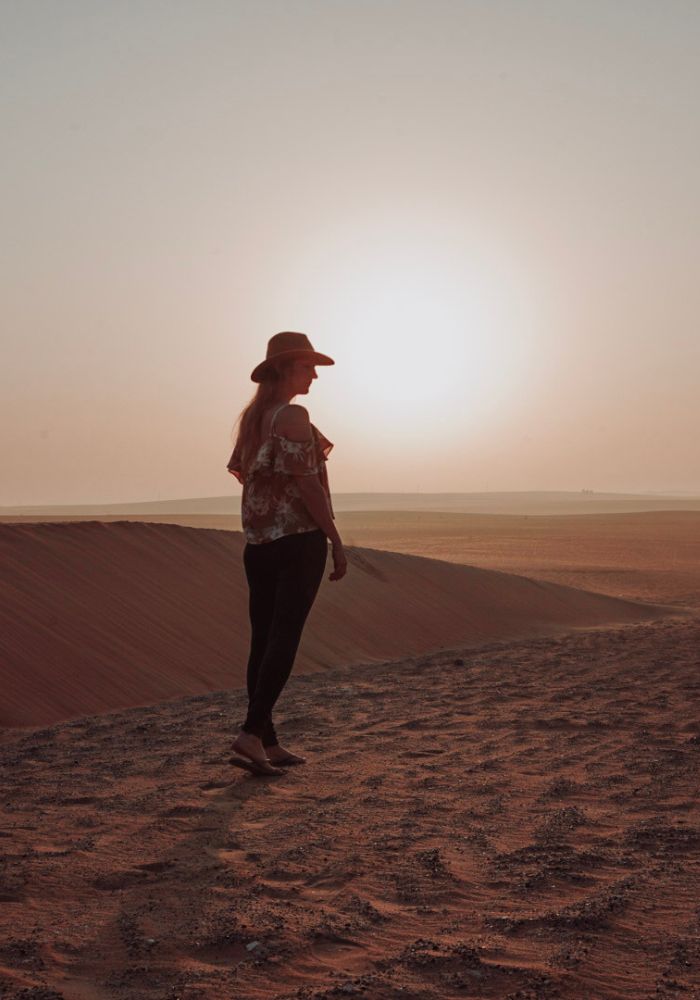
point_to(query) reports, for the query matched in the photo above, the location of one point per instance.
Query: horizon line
(374, 493)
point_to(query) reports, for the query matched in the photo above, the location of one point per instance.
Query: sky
(487, 212)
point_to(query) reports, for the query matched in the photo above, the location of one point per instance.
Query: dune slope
(97, 616)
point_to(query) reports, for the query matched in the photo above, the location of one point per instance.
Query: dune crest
(100, 616)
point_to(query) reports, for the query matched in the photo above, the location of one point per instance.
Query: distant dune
(99, 616)
(532, 502)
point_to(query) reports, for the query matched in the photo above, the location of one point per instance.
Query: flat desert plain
(507, 809)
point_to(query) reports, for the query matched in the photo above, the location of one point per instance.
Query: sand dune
(650, 556)
(97, 616)
(520, 822)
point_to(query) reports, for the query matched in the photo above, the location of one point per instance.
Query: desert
(350, 500)
(502, 730)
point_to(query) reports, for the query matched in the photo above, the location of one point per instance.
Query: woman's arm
(316, 501)
(294, 424)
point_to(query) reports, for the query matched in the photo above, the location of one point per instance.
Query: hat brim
(258, 374)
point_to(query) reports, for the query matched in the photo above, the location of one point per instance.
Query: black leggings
(283, 577)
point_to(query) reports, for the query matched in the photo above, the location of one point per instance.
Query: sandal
(290, 760)
(256, 766)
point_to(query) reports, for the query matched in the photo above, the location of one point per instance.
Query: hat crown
(287, 341)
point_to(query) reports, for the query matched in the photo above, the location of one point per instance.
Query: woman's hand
(340, 563)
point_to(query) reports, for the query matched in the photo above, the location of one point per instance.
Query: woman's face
(301, 375)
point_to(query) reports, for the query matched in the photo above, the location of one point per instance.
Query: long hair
(248, 427)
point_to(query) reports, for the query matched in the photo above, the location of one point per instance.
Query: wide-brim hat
(288, 346)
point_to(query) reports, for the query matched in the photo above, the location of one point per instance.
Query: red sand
(523, 826)
(517, 820)
(97, 616)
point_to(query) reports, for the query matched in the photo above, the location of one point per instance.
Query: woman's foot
(248, 745)
(279, 756)
(250, 748)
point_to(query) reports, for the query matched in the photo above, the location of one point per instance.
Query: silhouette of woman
(287, 517)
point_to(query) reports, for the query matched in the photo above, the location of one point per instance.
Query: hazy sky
(487, 212)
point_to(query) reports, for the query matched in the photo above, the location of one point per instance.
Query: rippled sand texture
(519, 821)
(97, 616)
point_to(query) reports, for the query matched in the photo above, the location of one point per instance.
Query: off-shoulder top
(271, 505)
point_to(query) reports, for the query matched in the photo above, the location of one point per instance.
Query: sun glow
(429, 344)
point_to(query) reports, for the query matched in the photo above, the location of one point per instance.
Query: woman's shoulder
(292, 421)
(293, 431)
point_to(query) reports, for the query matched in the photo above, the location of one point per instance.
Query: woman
(280, 458)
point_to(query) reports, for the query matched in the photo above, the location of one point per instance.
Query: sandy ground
(514, 819)
(652, 556)
(517, 822)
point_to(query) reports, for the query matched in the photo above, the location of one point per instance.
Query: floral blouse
(271, 505)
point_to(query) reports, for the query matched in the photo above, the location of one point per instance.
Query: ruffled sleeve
(301, 458)
(296, 458)
(323, 444)
(234, 465)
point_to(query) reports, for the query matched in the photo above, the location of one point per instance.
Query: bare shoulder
(293, 422)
